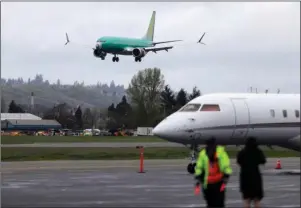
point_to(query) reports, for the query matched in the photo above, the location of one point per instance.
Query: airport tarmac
(118, 184)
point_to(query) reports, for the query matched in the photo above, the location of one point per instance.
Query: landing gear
(192, 164)
(191, 167)
(115, 58)
(137, 59)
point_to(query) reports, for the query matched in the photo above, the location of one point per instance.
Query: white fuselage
(273, 119)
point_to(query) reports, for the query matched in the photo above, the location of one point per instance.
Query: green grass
(58, 139)
(63, 153)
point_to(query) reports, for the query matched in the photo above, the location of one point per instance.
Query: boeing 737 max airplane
(273, 119)
(137, 47)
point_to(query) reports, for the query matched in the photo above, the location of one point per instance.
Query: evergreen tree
(111, 108)
(78, 117)
(168, 100)
(14, 108)
(112, 85)
(124, 113)
(195, 93)
(181, 98)
(112, 122)
(123, 107)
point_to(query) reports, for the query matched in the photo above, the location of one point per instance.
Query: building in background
(19, 116)
(26, 122)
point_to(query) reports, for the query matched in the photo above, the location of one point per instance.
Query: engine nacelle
(99, 53)
(295, 143)
(139, 52)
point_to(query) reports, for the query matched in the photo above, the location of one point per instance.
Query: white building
(19, 116)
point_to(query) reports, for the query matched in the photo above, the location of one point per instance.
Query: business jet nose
(158, 130)
(175, 127)
(164, 130)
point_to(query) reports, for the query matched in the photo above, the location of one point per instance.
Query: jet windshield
(191, 107)
(210, 107)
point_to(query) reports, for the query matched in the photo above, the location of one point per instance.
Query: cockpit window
(191, 107)
(210, 107)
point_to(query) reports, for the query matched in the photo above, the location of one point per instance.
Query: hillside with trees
(147, 100)
(47, 95)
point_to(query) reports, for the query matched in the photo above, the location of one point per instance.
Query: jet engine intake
(98, 45)
(99, 53)
(139, 52)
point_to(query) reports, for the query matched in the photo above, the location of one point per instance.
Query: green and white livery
(137, 47)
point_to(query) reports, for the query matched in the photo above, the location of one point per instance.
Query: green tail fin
(151, 28)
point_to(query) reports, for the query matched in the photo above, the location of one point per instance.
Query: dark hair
(251, 143)
(211, 148)
(211, 141)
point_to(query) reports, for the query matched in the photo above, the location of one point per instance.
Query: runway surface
(98, 144)
(117, 184)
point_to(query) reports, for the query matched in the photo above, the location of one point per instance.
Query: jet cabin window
(191, 107)
(210, 107)
(284, 112)
(272, 113)
(297, 113)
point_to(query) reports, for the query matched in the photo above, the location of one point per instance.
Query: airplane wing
(67, 39)
(158, 49)
(200, 40)
(169, 41)
(78, 44)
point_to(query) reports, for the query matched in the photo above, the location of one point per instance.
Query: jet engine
(99, 53)
(139, 52)
(295, 143)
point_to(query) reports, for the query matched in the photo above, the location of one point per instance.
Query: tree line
(148, 100)
(39, 80)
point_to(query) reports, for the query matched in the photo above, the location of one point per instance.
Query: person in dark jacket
(251, 185)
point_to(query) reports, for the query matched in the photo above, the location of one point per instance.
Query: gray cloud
(248, 44)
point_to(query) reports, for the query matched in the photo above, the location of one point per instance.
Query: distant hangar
(27, 122)
(19, 116)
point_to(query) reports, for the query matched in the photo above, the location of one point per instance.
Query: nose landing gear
(192, 164)
(137, 59)
(191, 168)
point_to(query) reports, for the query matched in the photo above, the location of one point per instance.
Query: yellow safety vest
(213, 172)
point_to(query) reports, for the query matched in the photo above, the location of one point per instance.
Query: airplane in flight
(137, 47)
(273, 119)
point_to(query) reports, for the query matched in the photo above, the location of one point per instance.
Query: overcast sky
(247, 44)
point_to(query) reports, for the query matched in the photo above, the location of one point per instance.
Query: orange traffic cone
(278, 165)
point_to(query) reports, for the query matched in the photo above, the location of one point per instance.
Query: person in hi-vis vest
(212, 173)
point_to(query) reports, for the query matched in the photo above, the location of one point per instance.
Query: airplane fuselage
(119, 45)
(274, 119)
(136, 47)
